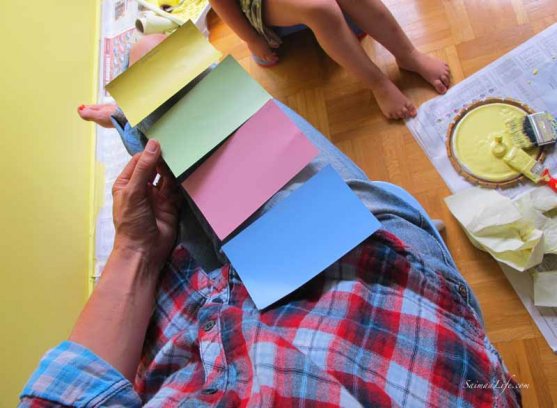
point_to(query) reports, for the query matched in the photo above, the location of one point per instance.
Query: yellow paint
(49, 49)
(474, 137)
(161, 73)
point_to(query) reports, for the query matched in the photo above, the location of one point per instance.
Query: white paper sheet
(494, 224)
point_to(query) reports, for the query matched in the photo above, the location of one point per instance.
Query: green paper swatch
(207, 115)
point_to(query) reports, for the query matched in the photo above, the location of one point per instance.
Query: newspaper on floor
(529, 74)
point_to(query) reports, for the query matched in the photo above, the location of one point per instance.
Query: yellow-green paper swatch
(207, 115)
(161, 73)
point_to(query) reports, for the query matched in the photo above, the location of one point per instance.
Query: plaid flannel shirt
(378, 328)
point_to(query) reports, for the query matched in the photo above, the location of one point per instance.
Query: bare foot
(393, 103)
(433, 70)
(263, 52)
(100, 114)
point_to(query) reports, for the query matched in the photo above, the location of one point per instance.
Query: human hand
(145, 216)
(261, 49)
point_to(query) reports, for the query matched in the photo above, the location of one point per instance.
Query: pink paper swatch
(252, 165)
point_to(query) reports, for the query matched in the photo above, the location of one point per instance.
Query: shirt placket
(209, 334)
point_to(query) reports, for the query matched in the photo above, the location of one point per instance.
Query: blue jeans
(396, 209)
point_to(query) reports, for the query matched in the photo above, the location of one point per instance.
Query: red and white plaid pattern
(377, 328)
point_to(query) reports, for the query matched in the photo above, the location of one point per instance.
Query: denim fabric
(71, 375)
(132, 138)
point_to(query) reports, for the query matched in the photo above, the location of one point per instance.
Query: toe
(440, 87)
(411, 110)
(446, 79)
(85, 112)
(443, 79)
(272, 58)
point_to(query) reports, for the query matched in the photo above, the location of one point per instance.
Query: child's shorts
(253, 10)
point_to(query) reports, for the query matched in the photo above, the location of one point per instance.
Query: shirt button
(209, 391)
(462, 290)
(208, 326)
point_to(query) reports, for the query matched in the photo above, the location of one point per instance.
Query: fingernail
(152, 146)
(81, 107)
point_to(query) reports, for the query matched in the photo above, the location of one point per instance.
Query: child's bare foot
(433, 70)
(263, 51)
(393, 103)
(100, 114)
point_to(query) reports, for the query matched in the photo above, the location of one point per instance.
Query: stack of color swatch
(244, 149)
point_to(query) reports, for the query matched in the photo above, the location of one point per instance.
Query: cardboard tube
(151, 24)
(160, 12)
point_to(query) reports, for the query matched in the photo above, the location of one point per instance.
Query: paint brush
(538, 129)
(517, 159)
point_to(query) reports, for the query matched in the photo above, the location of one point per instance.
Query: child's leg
(375, 19)
(326, 20)
(230, 11)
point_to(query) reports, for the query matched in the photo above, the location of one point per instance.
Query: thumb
(146, 165)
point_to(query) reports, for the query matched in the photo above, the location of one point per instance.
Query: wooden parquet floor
(468, 34)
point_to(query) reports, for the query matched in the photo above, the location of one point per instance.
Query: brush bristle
(521, 132)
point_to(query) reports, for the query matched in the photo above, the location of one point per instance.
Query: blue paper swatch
(300, 237)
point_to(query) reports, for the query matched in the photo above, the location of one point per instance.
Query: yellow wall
(47, 54)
